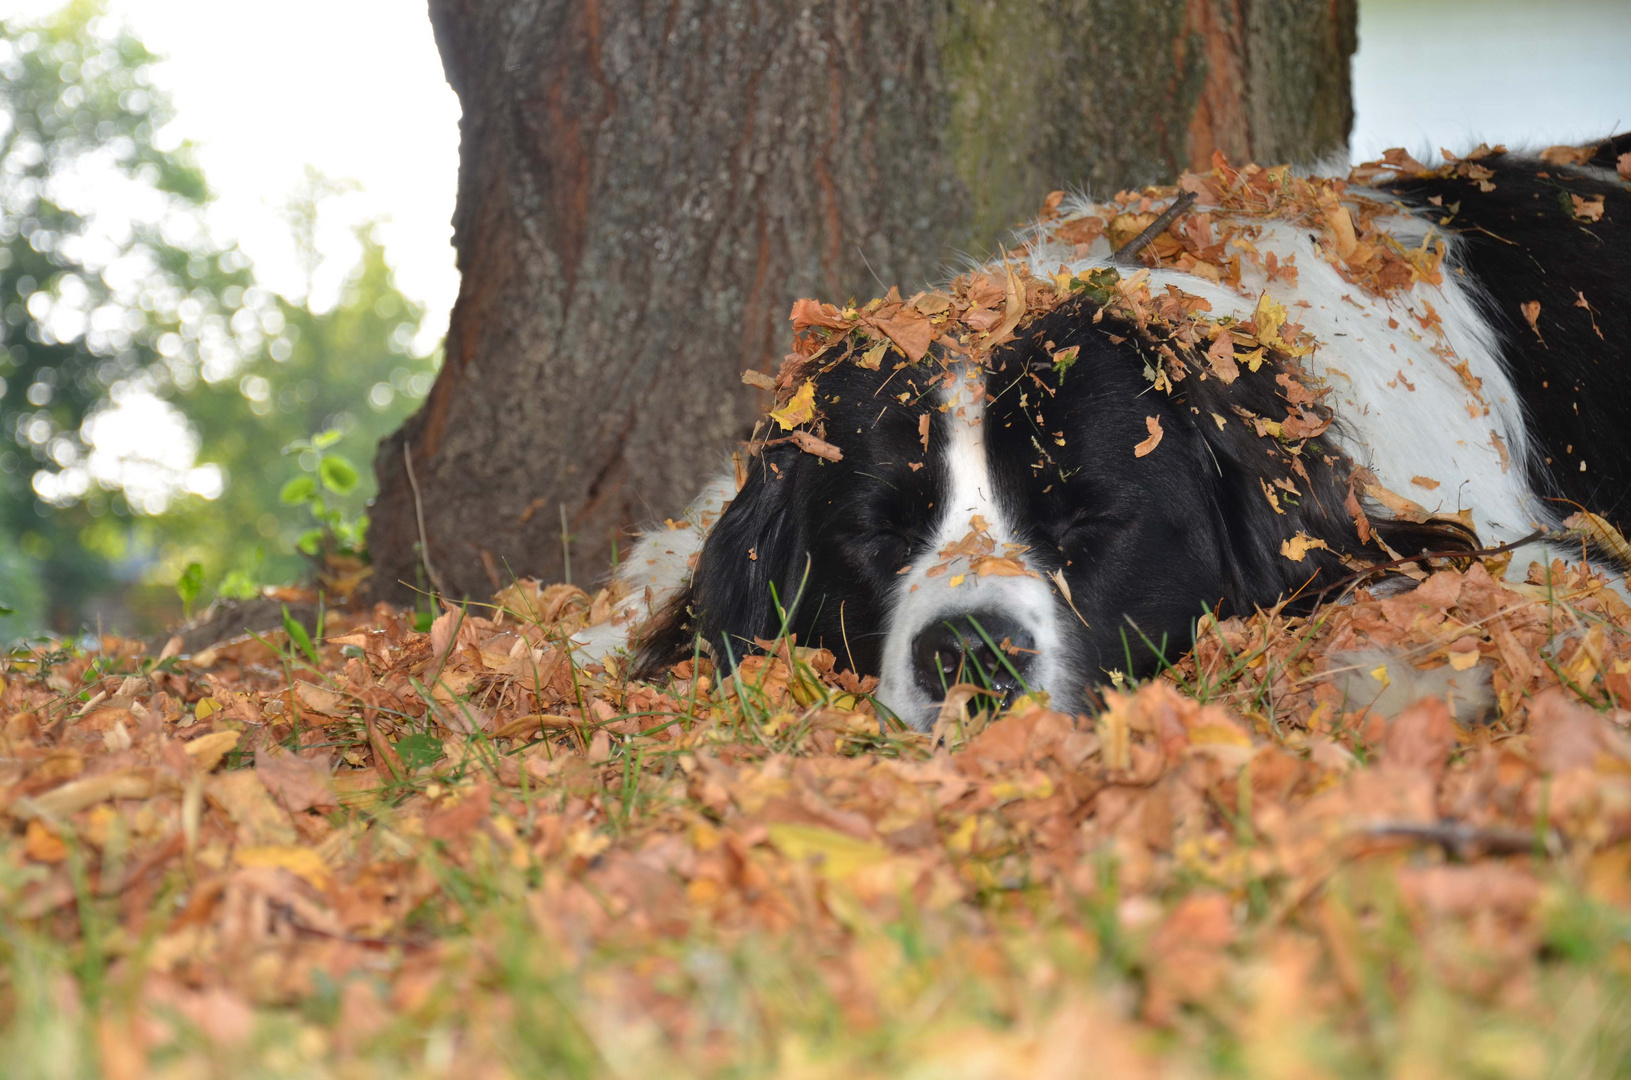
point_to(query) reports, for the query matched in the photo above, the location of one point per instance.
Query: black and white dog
(1051, 521)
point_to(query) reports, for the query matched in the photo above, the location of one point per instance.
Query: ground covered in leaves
(386, 852)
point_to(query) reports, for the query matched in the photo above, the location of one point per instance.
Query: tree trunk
(644, 190)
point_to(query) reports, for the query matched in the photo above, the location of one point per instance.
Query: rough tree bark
(645, 188)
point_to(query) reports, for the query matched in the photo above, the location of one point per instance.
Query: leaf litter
(1392, 836)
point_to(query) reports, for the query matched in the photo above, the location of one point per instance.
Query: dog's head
(1037, 521)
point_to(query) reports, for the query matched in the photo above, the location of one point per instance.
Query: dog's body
(1068, 502)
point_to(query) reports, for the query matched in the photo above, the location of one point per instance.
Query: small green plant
(324, 474)
(244, 582)
(189, 586)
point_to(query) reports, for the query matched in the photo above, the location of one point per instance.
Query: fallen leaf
(1298, 547)
(319, 700)
(835, 854)
(42, 844)
(800, 408)
(1153, 425)
(302, 862)
(259, 820)
(206, 751)
(296, 782)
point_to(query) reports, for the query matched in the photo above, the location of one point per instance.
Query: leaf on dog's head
(800, 408)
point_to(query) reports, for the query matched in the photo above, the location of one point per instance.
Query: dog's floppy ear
(752, 560)
(1293, 521)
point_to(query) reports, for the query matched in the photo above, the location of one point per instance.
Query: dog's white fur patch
(921, 598)
(658, 566)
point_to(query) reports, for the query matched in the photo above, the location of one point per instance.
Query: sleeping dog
(1218, 397)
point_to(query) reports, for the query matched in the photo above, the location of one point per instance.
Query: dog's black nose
(985, 648)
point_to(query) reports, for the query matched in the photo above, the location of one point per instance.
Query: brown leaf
(454, 822)
(1153, 424)
(807, 313)
(909, 329)
(1564, 733)
(1567, 155)
(319, 700)
(260, 821)
(1421, 737)
(296, 782)
(1221, 355)
(1531, 315)
(1468, 890)
(1587, 209)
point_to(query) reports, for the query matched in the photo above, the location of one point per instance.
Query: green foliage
(297, 634)
(188, 586)
(419, 750)
(329, 475)
(122, 336)
(91, 305)
(347, 377)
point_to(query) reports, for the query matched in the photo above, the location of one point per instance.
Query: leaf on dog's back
(910, 329)
(1153, 423)
(1300, 545)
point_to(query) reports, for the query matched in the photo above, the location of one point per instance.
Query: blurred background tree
(148, 385)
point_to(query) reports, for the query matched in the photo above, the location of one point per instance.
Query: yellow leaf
(208, 750)
(841, 856)
(872, 359)
(300, 861)
(1022, 789)
(800, 409)
(1461, 661)
(1380, 675)
(207, 706)
(1300, 545)
(1215, 731)
(1269, 317)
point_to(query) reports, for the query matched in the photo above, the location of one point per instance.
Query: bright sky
(1453, 73)
(353, 87)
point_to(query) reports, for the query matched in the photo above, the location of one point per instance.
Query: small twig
(1124, 254)
(419, 515)
(1458, 839)
(1475, 553)
(566, 549)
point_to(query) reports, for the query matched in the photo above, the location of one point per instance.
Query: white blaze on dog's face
(972, 588)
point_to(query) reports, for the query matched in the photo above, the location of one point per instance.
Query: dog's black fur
(1522, 243)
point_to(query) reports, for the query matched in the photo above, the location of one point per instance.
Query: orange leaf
(1153, 423)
